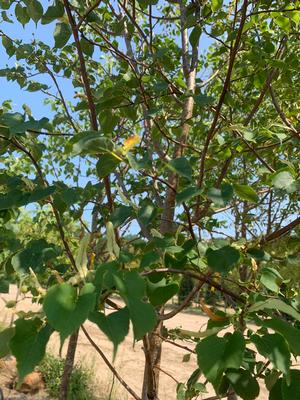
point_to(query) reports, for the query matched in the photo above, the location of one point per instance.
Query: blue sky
(12, 91)
(35, 100)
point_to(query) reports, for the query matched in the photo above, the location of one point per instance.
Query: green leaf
(215, 355)
(160, 292)
(276, 391)
(258, 254)
(180, 391)
(40, 193)
(62, 34)
(274, 348)
(295, 16)
(195, 36)
(246, 192)
(271, 378)
(66, 310)
(91, 142)
(35, 10)
(35, 255)
(149, 259)
(186, 357)
(115, 326)
(8, 45)
(87, 47)
(53, 12)
(81, 259)
(291, 334)
(226, 192)
(284, 180)
(234, 351)
(187, 194)
(104, 277)
(291, 390)
(216, 4)
(5, 4)
(22, 14)
(29, 343)
(108, 102)
(223, 259)
(182, 167)
(4, 286)
(6, 18)
(209, 355)
(220, 197)
(5, 337)
(203, 100)
(142, 315)
(120, 215)
(283, 22)
(31, 125)
(243, 383)
(138, 163)
(271, 279)
(107, 163)
(11, 119)
(17, 198)
(275, 304)
(146, 213)
(111, 243)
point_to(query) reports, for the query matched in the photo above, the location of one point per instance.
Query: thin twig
(61, 97)
(282, 114)
(109, 365)
(184, 303)
(166, 373)
(176, 344)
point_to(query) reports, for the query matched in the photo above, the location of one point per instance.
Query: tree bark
(152, 349)
(189, 67)
(68, 368)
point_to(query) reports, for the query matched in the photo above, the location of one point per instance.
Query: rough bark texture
(69, 363)
(152, 350)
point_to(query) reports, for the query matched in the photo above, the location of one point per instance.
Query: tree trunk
(153, 346)
(152, 350)
(68, 368)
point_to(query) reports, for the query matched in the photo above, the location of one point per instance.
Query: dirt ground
(130, 358)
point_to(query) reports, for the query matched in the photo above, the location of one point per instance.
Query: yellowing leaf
(210, 313)
(131, 142)
(92, 260)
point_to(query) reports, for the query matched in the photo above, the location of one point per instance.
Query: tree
(183, 131)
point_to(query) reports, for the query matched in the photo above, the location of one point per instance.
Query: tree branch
(183, 305)
(282, 115)
(232, 57)
(109, 365)
(281, 232)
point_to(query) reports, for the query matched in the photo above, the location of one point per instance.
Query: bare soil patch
(130, 358)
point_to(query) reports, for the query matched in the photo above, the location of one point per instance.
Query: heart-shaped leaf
(66, 310)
